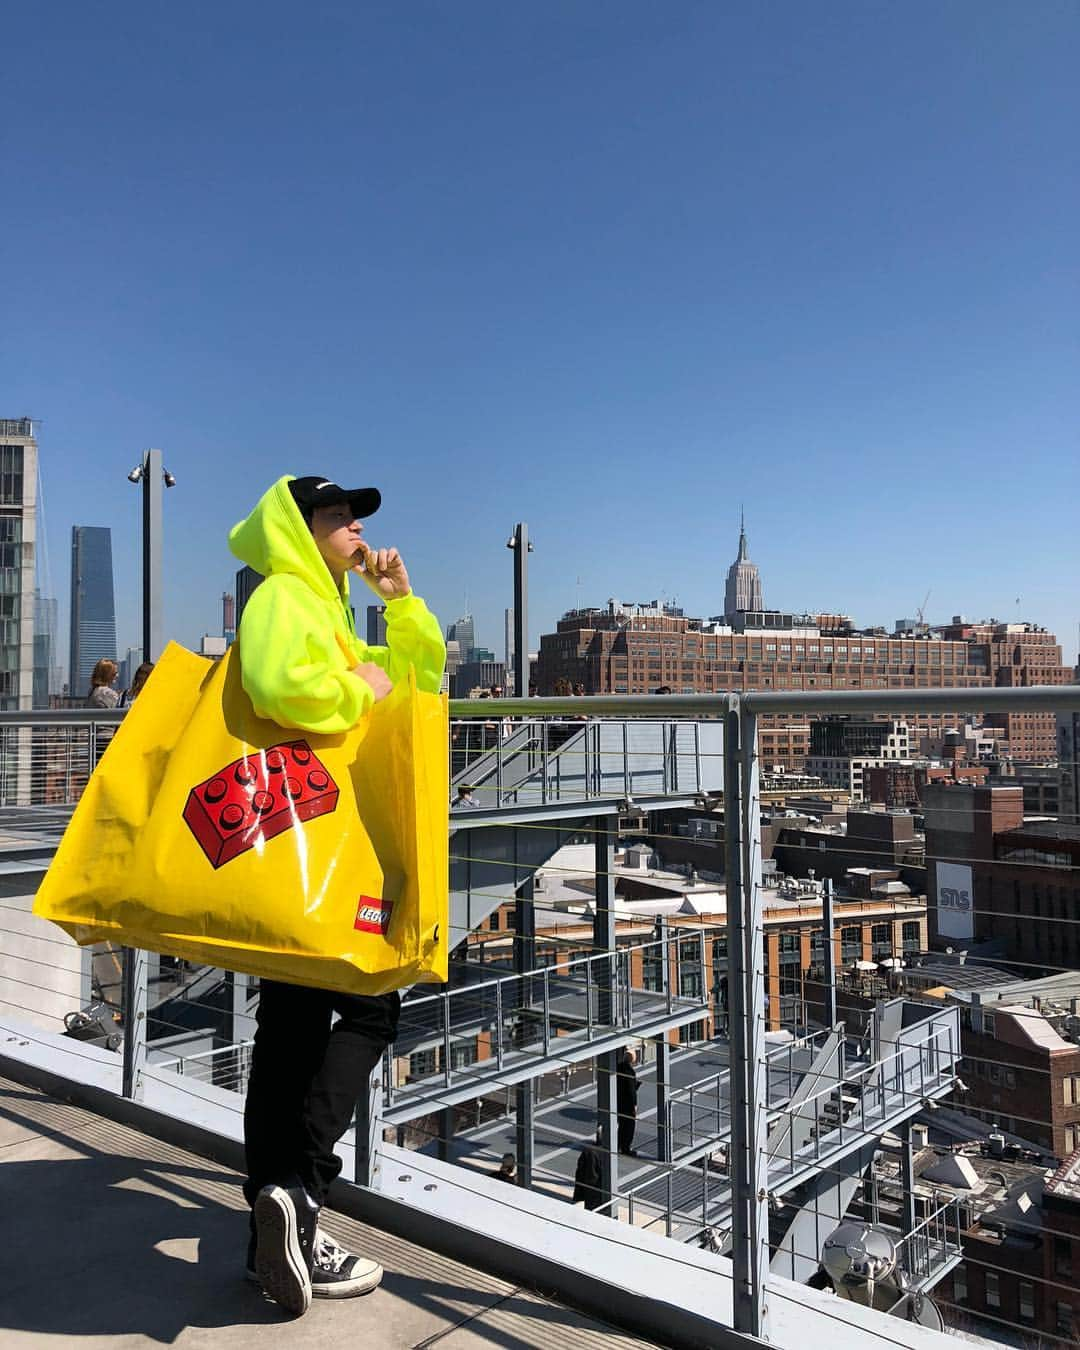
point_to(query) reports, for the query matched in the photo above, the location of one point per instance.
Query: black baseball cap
(309, 493)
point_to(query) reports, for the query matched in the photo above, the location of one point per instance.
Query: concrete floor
(114, 1239)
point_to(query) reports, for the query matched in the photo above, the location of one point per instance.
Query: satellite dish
(922, 1309)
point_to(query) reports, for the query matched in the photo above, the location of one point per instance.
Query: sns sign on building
(955, 901)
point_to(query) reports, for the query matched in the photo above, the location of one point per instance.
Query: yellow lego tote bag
(210, 834)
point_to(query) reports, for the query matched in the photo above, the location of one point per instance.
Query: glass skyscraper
(93, 606)
(463, 633)
(18, 514)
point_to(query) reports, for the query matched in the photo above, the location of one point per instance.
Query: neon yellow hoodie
(297, 627)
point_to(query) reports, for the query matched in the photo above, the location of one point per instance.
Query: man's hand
(384, 572)
(376, 677)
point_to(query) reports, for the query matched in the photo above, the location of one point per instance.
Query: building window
(463, 1053)
(850, 945)
(422, 1063)
(1072, 1138)
(959, 1284)
(1071, 1085)
(1064, 1319)
(993, 1289)
(881, 939)
(1062, 1256)
(1026, 1303)
(909, 936)
(652, 972)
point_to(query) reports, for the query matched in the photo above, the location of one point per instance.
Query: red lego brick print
(256, 797)
(373, 915)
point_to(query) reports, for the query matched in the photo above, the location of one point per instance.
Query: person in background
(464, 799)
(507, 1168)
(102, 694)
(138, 680)
(588, 1176)
(626, 1095)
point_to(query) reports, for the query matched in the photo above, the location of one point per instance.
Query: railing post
(828, 925)
(547, 1011)
(446, 1039)
(525, 1092)
(544, 762)
(368, 1130)
(605, 945)
(498, 1025)
(135, 1009)
(663, 1105)
(746, 990)
(626, 760)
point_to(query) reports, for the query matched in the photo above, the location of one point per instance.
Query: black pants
(627, 1126)
(306, 1080)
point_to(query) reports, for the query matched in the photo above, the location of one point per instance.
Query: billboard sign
(955, 901)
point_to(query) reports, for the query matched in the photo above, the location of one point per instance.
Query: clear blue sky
(608, 268)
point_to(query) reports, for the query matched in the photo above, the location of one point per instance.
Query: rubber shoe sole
(279, 1263)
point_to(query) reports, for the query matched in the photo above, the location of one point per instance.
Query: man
(304, 668)
(626, 1094)
(589, 1176)
(464, 799)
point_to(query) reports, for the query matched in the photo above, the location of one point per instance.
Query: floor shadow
(140, 1255)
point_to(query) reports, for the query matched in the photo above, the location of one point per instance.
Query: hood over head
(274, 538)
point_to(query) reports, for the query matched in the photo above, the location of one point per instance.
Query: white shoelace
(329, 1255)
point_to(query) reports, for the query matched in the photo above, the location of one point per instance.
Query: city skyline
(616, 273)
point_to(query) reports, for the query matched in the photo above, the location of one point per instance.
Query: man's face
(337, 537)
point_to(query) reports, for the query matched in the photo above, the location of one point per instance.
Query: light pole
(135, 999)
(519, 542)
(152, 475)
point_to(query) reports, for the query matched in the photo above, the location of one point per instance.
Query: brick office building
(1020, 880)
(1020, 1072)
(1020, 1233)
(634, 649)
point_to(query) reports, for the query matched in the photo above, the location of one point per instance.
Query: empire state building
(743, 590)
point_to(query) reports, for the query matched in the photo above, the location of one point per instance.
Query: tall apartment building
(463, 632)
(375, 631)
(633, 649)
(18, 538)
(93, 604)
(47, 679)
(246, 581)
(1068, 757)
(844, 749)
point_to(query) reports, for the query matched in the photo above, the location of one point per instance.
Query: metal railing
(47, 756)
(932, 1244)
(553, 1010)
(917, 1066)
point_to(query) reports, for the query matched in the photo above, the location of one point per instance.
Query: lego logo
(373, 915)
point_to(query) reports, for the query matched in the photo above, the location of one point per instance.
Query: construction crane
(921, 611)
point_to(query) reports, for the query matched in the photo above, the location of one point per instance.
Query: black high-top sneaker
(337, 1273)
(285, 1227)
